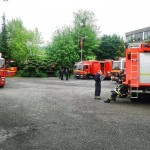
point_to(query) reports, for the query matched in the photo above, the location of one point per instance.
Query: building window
(148, 34)
(145, 35)
(133, 36)
(140, 36)
(128, 38)
(136, 36)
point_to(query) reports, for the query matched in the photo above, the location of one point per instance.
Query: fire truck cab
(138, 70)
(10, 69)
(86, 69)
(2, 71)
(116, 67)
(7, 69)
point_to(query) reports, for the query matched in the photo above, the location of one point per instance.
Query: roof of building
(137, 31)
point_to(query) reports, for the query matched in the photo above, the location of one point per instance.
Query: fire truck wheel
(87, 76)
(76, 77)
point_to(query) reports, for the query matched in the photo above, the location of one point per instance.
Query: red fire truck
(2, 71)
(138, 70)
(10, 68)
(106, 67)
(116, 67)
(6, 70)
(86, 69)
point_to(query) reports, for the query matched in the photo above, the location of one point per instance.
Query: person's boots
(113, 99)
(97, 97)
(107, 101)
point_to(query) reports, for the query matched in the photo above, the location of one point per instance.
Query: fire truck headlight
(3, 78)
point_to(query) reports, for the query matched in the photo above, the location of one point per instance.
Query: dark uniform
(97, 86)
(121, 76)
(67, 74)
(121, 89)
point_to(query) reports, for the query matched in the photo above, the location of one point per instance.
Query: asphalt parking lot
(50, 114)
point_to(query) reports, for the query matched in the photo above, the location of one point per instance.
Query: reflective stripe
(145, 74)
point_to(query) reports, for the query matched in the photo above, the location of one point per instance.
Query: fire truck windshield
(1, 63)
(78, 67)
(116, 65)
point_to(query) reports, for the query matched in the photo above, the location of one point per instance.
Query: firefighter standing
(98, 84)
(67, 73)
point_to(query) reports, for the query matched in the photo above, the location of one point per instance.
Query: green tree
(86, 29)
(4, 40)
(34, 67)
(111, 47)
(22, 42)
(62, 50)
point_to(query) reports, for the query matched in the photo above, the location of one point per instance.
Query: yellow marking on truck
(145, 74)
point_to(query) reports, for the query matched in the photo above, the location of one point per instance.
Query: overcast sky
(113, 16)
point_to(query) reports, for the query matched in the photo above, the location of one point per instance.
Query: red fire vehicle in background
(2, 71)
(89, 68)
(116, 67)
(86, 69)
(106, 67)
(10, 69)
(6, 70)
(138, 70)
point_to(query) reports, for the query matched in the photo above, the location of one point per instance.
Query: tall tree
(22, 42)
(62, 51)
(4, 40)
(87, 31)
(65, 50)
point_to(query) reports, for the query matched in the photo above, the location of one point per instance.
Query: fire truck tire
(87, 76)
(76, 77)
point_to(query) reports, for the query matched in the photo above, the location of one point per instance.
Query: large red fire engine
(86, 69)
(138, 70)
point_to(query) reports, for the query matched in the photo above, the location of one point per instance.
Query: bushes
(34, 67)
(26, 73)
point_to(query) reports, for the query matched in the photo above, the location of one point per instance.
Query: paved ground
(50, 114)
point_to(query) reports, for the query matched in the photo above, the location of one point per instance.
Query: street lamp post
(81, 46)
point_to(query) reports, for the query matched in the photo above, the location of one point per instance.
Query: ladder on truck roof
(134, 74)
